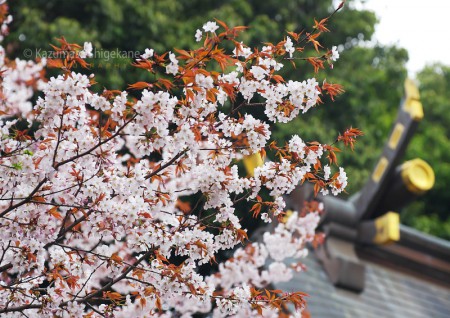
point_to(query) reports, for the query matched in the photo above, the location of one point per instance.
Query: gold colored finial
(411, 90)
(412, 103)
(251, 162)
(388, 229)
(418, 176)
(286, 216)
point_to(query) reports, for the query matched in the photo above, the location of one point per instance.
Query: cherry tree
(102, 193)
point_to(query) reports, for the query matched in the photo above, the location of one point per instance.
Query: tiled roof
(388, 293)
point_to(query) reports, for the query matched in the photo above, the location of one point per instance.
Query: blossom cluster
(18, 77)
(104, 198)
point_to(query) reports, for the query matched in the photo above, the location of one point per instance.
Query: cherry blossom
(112, 202)
(148, 53)
(87, 50)
(334, 54)
(210, 26)
(198, 35)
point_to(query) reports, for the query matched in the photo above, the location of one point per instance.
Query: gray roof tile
(387, 293)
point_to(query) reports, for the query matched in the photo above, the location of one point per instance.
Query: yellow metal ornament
(418, 176)
(251, 162)
(388, 229)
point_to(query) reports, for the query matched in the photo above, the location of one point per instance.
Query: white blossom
(87, 50)
(334, 54)
(289, 46)
(198, 35)
(210, 26)
(148, 53)
(172, 67)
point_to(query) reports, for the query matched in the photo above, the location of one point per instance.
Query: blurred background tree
(371, 74)
(432, 143)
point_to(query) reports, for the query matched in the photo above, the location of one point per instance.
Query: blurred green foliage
(432, 143)
(372, 75)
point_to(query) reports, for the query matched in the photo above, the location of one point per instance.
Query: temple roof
(395, 292)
